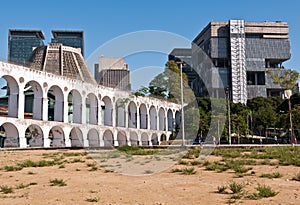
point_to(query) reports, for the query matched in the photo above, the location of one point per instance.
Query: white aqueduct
(98, 116)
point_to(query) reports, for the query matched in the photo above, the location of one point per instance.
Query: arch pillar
(83, 111)
(99, 122)
(21, 103)
(138, 125)
(66, 108)
(157, 119)
(166, 120)
(46, 131)
(115, 133)
(45, 109)
(13, 105)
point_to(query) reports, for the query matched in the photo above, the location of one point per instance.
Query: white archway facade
(82, 115)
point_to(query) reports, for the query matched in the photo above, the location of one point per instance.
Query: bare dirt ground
(88, 185)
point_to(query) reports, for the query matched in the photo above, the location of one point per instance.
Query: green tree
(287, 80)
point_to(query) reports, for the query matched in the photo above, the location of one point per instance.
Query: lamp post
(182, 111)
(227, 89)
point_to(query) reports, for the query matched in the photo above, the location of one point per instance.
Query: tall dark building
(240, 53)
(69, 38)
(184, 55)
(21, 43)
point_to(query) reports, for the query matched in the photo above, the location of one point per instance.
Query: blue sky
(107, 19)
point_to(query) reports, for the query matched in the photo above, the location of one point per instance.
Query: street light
(227, 90)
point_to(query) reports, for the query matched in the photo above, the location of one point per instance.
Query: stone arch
(143, 116)
(9, 105)
(9, 135)
(122, 139)
(145, 139)
(74, 107)
(107, 110)
(34, 136)
(57, 137)
(108, 138)
(55, 104)
(153, 118)
(120, 113)
(134, 140)
(161, 119)
(93, 138)
(76, 137)
(92, 109)
(154, 139)
(132, 115)
(170, 120)
(33, 95)
(177, 120)
(163, 138)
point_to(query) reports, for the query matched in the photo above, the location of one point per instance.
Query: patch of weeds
(12, 168)
(236, 196)
(188, 171)
(57, 182)
(192, 153)
(30, 173)
(89, 157)
(108, 170)
(263, 192)
(297, 177)
(176, 170)
(241, 169)
(222, 189)
(131, 150)
(93, 168)
(74, 154)
(22, 186)
(236, 187)
(95, 199)
(77, 161)
(195, 162)
(273, 175)
(77, 170)
(148, 172)
(183, 162)
(6, 189)
(61, 166)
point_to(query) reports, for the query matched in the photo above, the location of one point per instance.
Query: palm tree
(287, 80)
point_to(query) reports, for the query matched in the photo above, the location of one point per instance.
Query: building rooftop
(23, 32)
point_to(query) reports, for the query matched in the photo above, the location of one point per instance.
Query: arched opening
(9, 96)
(74, 107)
(170, 120)
(143, 116)
(132, 115)
(55, 104)
(76, 137)
(9, 135)
(33, 108)
(92, 109)
(108, 138)
(107, 110)
(153, 118)
(161, 119)
(93, 138)
(34, 136)
(154, 139)
(120, 113)
(121, 137)
(145, 139)
(134, 141)
(177, 120)
(57, 137)
(163, 138)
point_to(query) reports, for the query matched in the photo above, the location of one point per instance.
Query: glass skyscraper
(21, 43)
(69, 38)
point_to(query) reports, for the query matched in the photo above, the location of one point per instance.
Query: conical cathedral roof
(61, 60)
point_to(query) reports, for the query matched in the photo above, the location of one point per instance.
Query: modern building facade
(113, 72)
(74, 39)
(236, 54)
(21, 43)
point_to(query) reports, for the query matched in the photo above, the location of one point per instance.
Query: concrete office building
(240, 53)
(21, 43)
(70, 38)
(113, 72)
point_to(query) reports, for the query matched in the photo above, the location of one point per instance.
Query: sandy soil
(105, 187)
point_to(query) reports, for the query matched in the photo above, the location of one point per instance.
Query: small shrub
(77, 160)
(263, 192)
(22, 186)
(236, 187)
(57, 182)
(74, 154)
(297, 177)
(94, 168)
(176, 170)
(183, 162)
(95, 199)
(108, 170)
(195, 162)
(12, 168)
(61, 166)
(189, 171)
(273, 175)
(31, 173)
(6, 189)
(222, 189)
(241, 169)
(148, 172)
(77, 170)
